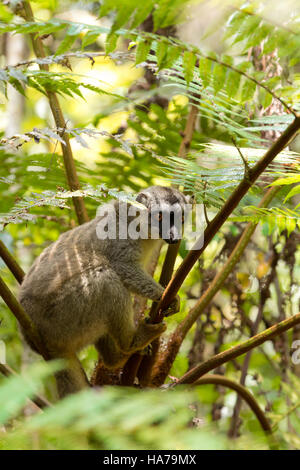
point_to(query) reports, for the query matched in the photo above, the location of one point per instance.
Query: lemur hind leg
(111, 356)
(129, 338)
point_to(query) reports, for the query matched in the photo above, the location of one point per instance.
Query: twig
(236, 351)
(233, 432)
(22, 317)
(242, 392)
(11, 263)
(246, 165)
(225, 212)
(38, 400)
(62, 59)
(204, 205)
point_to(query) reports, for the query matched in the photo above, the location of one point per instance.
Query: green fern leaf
(161, 54)
(205, 66)
(142, 51)
(189, 60)
(71, 36)
(248, 91)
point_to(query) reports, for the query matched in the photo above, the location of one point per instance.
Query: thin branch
(204, 204)
(264, 291)
(22, 317)
(257, 82)
(244, 159)
(38, 400)
(242, 392)
(62, 58)
(11, 263)
(291, 410)
(236, 351)
(69, 163)
(163, 365)
(224, 213)
(7, 296)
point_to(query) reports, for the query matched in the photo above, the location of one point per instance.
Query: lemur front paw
(173, 308)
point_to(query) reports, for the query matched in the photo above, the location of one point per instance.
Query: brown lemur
(78, 291)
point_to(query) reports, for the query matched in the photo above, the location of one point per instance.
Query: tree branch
(264, 290)
(38, 400)
(22, 317)
(225, 212)
(11, 263)
(228, 267)
(69, 163)
(242, 391)
(236, 351)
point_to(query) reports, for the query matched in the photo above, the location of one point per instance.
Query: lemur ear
(143, 198)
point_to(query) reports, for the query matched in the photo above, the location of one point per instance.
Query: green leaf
(248, 90)
(265, 98)
(124, 12)
(260, 33)
(293, 192)
(219, 77)
(288, 180)
(160, 14)
(189, 60)
(15, 391)
(111, 43)
(173, 55)
(71, 36)
(205, 70)
(290, 225)
(106, 7)
(161, 54)
(17, 85)
(232, 83)
(142, 51)
(90, 37)
(248, 25)
(234, 24)
(281, 223)
(142, 12)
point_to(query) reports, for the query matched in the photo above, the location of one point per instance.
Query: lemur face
(166, 210)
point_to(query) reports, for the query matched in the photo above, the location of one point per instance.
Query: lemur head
(166, 207)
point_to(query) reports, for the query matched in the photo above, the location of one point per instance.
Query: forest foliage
(178, 92)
